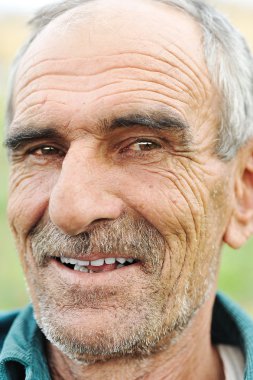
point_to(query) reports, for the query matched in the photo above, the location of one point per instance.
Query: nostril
(101, 221)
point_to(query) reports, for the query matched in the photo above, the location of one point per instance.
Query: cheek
(166, 204)
(28, 198)
(179, 205)
(164, 198)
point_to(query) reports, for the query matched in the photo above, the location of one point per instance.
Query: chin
(89, 337)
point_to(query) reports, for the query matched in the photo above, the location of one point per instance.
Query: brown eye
(140, 146)
(47, 151)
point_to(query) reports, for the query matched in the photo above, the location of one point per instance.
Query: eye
(46, 150)
(142, 146)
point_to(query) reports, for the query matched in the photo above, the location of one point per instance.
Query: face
(112, 157)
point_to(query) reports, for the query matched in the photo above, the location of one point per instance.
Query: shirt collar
(25, 344)
(231, 325)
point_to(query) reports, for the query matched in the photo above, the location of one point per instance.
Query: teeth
(97, 263)
(84, 269)
(73, 261)
(83, 263)
(120, 266)
(80, 268)
(110, 260)
(64, 260)
(121, 260)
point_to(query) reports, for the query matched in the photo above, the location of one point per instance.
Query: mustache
(127, 236)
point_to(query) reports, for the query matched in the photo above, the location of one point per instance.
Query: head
(129, 130)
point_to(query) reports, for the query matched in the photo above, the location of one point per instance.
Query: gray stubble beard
(134, 340)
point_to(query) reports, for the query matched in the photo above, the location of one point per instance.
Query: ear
(240, 226)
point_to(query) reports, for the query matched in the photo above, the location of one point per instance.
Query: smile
(96, 266)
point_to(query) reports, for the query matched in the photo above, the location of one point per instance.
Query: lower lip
(74, 276)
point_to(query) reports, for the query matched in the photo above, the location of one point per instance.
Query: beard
(134, 318)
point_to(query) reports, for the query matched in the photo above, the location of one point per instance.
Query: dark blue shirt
(22, 344)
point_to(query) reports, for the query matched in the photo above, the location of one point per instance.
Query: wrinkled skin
(75, 75)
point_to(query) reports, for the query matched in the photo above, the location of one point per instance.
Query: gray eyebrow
(17, 139)
(153, 121)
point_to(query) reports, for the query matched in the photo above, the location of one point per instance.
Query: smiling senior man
(129, 132)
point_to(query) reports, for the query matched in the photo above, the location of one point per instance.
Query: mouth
(98, 265)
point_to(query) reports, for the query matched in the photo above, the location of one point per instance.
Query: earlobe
(240, 226)
(237, 232)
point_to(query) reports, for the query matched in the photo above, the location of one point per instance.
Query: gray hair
(228, 59)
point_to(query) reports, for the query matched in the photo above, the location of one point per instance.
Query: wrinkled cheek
(28, 200)
(185, 233)
(177, 217)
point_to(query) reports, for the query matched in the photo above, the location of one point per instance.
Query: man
(129, 134)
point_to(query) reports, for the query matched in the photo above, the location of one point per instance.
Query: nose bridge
(83, 193)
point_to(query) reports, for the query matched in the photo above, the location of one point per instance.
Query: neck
(192, 356)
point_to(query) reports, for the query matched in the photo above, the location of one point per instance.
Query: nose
(83, 194)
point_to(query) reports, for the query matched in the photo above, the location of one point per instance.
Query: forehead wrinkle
(161, 86)
(174, 51)
(38, 98)
(80, 64)
(153, 94)
(201, 81)
(167, 100)
(36, 107)
(161, 103)
(76, 87)
(67, 73)
(165, 48)
(120, 53)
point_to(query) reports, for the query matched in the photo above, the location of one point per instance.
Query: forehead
(159, 44)
(107, 26)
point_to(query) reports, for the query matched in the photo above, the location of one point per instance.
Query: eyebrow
(155, 121)
(17, 139)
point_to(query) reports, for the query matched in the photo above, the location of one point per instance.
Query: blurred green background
(236, 275)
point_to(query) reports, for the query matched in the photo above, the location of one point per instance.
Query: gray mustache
(125, 236)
